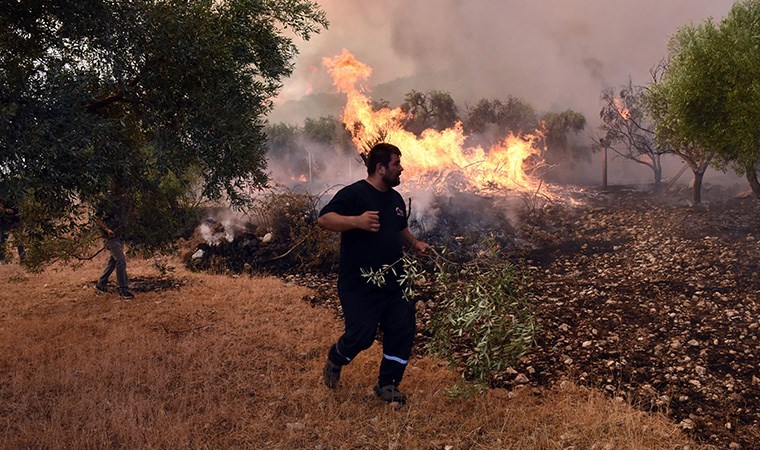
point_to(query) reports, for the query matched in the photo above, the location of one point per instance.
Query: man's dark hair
(381, 154)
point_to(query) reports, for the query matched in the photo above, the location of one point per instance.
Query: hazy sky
(555, 54)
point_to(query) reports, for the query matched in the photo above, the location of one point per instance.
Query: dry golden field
(210, 361)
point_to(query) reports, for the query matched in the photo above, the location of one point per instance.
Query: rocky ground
(658, 304)
(647, 298)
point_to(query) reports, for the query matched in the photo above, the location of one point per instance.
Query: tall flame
(434, 155)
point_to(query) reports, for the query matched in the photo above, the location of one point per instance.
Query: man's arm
(412, 242)
(104, 228)
(332, 221)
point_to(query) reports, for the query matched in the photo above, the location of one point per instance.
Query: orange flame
(624, 112)
(434, 155)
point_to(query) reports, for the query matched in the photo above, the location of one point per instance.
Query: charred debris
(279, 235)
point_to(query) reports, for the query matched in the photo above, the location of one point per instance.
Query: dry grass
(236, 363)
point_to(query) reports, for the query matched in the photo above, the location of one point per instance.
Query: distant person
(111, 220)
(9, 219)
(371, 217)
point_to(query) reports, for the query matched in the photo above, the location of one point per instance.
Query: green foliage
(435, 110)
(322, 130)
(709, 95)
(511, 116)
(558, 127)
(282, 139)
(323, 136)
(483, 324)
(41, 242)
(162, 101)
(407, 271)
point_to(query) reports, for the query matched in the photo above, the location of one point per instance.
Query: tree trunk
(752, 178)
(698, 187)
(657, 167)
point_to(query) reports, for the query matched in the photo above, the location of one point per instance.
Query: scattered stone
(521, 379)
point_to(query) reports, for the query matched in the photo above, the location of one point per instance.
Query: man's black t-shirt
(360, 249)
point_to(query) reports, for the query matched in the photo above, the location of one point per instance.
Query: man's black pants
(365, 309)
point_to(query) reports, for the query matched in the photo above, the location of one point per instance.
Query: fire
(434, 155)
(624, 112)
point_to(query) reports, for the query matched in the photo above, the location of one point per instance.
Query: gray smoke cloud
(555, 54)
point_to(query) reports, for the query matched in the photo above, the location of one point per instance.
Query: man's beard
(392, 181)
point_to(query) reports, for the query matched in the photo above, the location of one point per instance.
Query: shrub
(482, 323)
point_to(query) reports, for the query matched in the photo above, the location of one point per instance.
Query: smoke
(315, 168)
(222, 224)
(556, 54)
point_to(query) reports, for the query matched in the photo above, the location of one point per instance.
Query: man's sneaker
(126, 294)
(331, 374)
(100, 287)
(390, 394)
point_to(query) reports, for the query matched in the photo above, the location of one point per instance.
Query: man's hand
(421, 247)
(369, 221)
(412, 242)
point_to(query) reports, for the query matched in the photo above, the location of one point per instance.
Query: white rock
(198, 254)
(520, 378)
(687, 424)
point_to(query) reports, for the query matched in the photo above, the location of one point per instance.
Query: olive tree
(709, 95)
(627, 128)
(435, 109)
(558, 128)
(149, 103)
(512, 115)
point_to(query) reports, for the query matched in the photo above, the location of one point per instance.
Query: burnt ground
(657, 303)
(647, 298)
